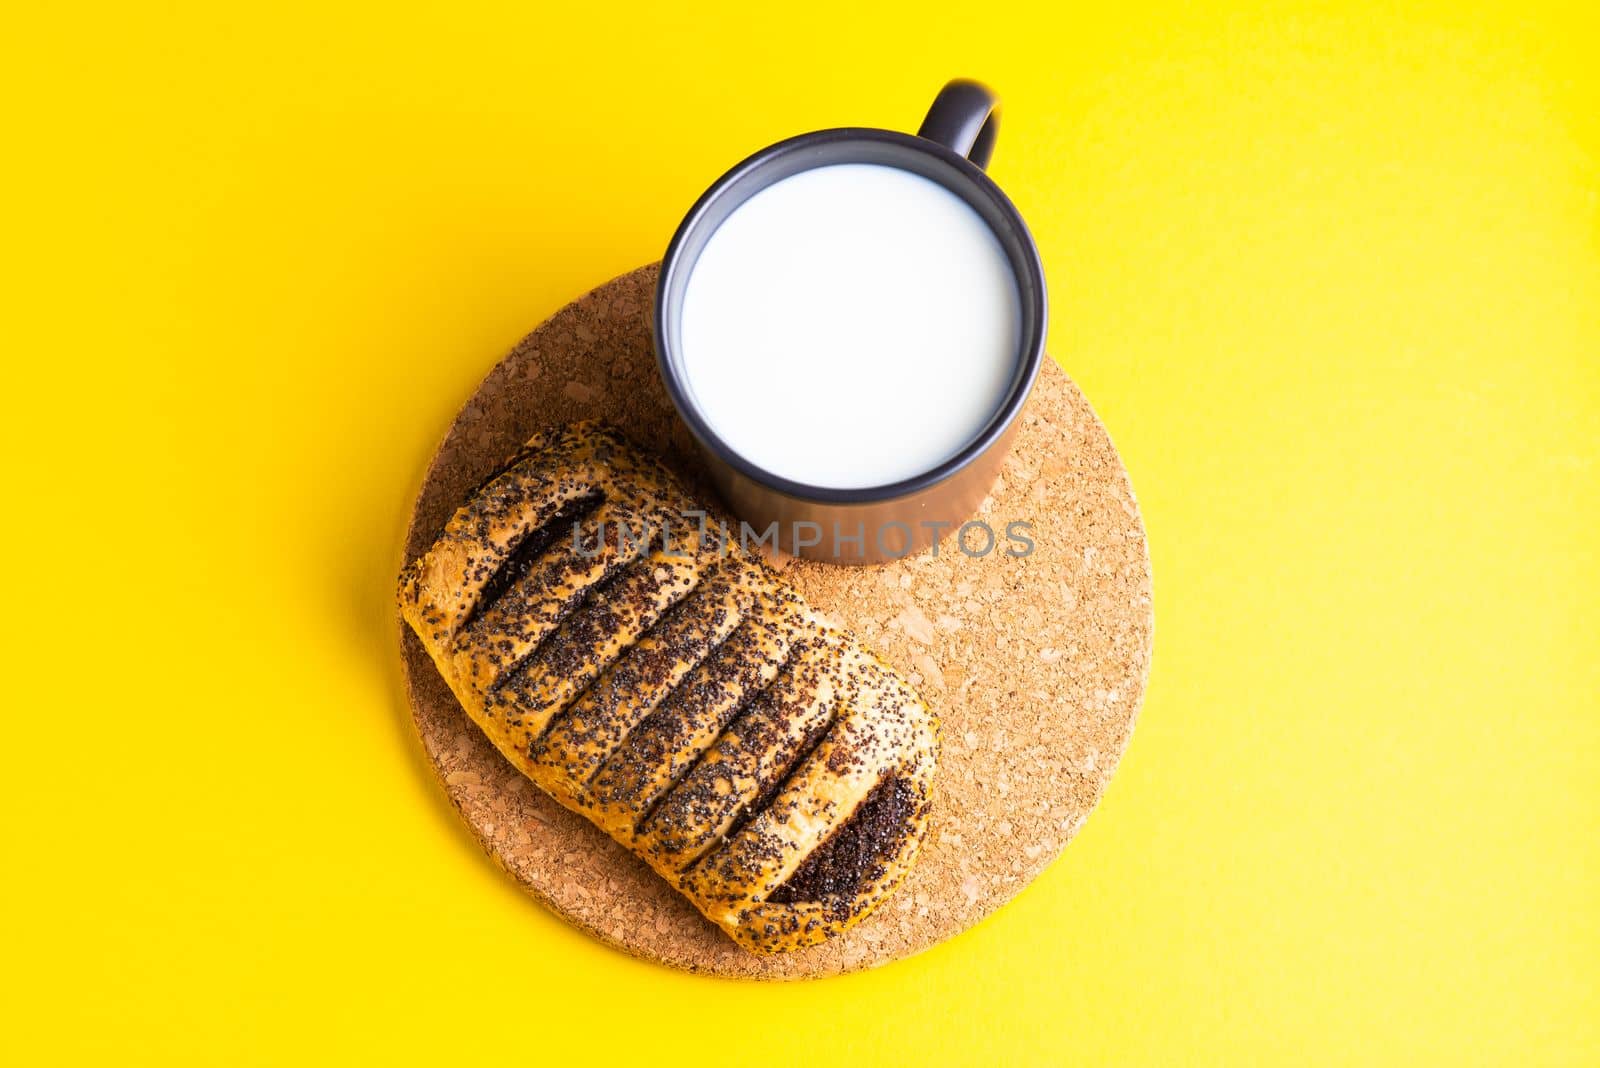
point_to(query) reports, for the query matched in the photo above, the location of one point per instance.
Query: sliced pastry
(658, 679)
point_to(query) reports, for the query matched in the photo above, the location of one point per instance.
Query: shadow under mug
(880, 523)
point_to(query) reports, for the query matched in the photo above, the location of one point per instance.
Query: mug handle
(964, 117)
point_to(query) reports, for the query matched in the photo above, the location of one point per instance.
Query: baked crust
(675, 691)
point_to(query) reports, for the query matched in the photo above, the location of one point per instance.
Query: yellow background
(1331, 275)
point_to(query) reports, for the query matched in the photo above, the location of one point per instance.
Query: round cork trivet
(1035, 664)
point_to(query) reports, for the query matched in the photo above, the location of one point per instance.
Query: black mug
(880, 523)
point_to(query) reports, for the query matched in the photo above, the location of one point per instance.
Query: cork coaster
(1036, 664)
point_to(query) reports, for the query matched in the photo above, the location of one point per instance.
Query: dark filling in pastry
(857, 850)
(772, 788)
(591, 617)
(527, 552)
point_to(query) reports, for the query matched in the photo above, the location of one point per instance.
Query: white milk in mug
(851, 326)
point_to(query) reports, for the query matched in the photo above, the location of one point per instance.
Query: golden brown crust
(675, 691)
